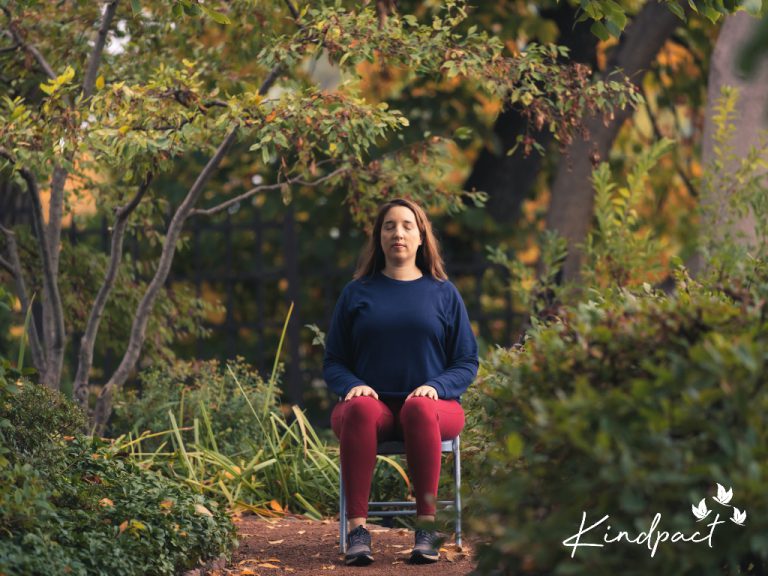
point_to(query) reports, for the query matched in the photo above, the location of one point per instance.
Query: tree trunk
(749, 121)
(53, 321)
(572, 199)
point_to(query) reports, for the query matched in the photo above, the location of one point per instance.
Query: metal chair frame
(404, 508)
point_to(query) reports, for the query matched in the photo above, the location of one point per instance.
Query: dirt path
(296, 545)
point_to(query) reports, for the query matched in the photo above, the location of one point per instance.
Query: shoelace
(359, 536)
(426, 537)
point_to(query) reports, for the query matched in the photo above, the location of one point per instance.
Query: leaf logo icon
(739, 517)
(700, 511)
(723, 496)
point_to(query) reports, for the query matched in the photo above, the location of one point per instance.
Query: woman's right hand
(361, 391)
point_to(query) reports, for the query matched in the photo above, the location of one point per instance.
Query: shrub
(39, 415)
(190, 388)
(223, 431)
(74, 505)
(627, 405)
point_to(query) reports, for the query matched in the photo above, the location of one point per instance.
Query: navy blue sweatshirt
(397, 335)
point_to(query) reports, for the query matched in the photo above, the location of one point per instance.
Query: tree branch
(138, 329)
(264, 188)
(294, 12)
(9, 48)
(85, 360)
(7, 265)
(28, 47)
(51, 373)
(16, 270)
(94, 61)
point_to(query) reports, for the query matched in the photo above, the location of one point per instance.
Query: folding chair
(404, 508)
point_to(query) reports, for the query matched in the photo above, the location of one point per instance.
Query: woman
(399, 353)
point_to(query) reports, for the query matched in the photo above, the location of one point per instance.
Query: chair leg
(342, 514)
(457, 488)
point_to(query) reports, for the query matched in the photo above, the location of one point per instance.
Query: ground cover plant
(72, 504)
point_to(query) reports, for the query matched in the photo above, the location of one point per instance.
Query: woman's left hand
(425, 390)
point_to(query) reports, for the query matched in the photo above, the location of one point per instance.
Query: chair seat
(393, 447)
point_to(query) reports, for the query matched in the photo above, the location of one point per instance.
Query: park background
(577, 192)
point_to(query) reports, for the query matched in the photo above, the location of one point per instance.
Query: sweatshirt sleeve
(337, 362)
(461, 347)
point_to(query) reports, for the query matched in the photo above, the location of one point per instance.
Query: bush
(223, 430)
(627, 405)
(39, 415)
(74, 505)
(188, 389)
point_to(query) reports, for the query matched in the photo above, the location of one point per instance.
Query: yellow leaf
(123, 526)
(100, 82)
(123, 129)
(166, 504)
(275, 505)
(105, 502)
(267, 565)
(202, 510)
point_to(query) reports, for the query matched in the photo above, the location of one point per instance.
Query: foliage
(38, 415)
(188, 390)
(230, 437)
(626, 407)
(75, 505)
(737, 189)
(620, 251)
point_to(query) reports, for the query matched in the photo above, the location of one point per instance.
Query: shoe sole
(361, 560)
(423, 558)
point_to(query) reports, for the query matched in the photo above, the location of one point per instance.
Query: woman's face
(400, 236)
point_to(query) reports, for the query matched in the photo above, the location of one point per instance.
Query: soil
(294, 545)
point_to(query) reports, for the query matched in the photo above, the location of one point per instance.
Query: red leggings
(421, 422)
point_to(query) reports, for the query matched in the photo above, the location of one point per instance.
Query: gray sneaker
(358, 547)
(427, 547)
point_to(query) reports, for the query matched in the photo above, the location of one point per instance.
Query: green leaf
(677, 10)
(136, 7)
(463, 133)
(599, 30)
(216, 16)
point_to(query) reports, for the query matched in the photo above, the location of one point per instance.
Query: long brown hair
(428, 258)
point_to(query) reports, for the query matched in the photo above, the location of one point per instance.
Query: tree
(734, 141)
(572, 193)
(129, 118)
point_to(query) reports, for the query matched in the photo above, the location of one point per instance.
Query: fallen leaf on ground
(302, 532)
(268, 565)
(328, 567)
(454, 555)
(273, 542)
